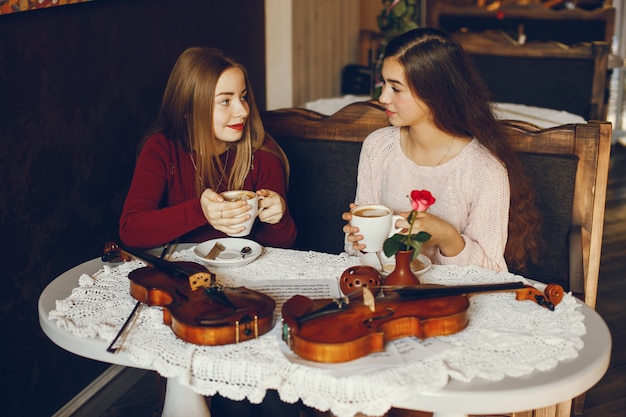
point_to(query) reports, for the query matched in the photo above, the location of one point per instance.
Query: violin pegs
(554, 293)
(113, 253)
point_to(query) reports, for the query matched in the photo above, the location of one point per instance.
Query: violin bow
(132, 317)
(123, 333)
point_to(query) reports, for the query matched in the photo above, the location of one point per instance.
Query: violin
(198, 310)
(348, 328)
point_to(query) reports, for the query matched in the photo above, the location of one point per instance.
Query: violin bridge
(200, 280)
(368, 299)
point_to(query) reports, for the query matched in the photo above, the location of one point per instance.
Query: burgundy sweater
(162, 204)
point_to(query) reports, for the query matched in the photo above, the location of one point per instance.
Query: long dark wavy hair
(440, 73)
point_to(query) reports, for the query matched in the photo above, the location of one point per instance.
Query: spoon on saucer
(246, 250)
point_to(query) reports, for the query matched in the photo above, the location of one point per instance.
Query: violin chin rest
(297, 306)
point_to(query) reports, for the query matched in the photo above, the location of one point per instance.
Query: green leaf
(421, 237)
(392, 245)
(399, 9)
(417, 248)
(398, 238)
(411, 26)
(384, 24)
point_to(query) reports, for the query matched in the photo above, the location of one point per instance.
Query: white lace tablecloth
(505, 337)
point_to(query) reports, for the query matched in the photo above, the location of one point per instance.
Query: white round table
(539, 389)
(180, 400)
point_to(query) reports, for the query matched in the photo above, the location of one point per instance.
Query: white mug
(376, 223)
(253, 200)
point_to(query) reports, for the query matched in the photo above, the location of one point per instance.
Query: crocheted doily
(505, 337)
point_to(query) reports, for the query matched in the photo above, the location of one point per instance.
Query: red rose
(421, 200)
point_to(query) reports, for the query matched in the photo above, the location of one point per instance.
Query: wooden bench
(568, 165)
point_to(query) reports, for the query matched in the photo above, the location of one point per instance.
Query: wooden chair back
(568, 165)
(323, 153)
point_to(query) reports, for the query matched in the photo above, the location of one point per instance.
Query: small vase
(402, 275)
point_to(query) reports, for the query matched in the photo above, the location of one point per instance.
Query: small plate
(231, 255)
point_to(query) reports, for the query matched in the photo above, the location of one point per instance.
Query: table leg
(181, 401)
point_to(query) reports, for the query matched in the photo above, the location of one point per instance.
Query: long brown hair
(186, 117)
(441, 74)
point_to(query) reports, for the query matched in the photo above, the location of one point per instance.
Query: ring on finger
(221, 214)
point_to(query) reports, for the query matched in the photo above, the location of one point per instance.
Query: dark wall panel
(79, 86)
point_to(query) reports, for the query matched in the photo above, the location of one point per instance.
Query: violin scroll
(113, 253)
(549, 298)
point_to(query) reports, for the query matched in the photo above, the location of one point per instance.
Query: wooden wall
(325, 40)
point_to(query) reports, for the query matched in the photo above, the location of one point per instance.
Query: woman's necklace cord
(445, 155)
(194, 162)
(225, 163)
(447, 152)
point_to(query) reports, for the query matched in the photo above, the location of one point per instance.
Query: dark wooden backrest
(568, 165)
(323, 152)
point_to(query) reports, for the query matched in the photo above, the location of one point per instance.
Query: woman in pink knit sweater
(445, 139)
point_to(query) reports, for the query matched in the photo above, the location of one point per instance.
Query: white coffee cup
(253, 200)
(376, 223)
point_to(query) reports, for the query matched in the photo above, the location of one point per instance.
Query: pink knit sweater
(471, 192)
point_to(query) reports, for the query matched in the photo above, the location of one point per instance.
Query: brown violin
(341, 330)
(198, 310)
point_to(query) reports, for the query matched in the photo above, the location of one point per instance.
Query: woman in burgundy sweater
(208, 138)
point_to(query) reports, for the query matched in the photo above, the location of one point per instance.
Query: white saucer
(231, 255)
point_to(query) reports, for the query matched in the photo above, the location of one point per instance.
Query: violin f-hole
(390, 312)
(181, 294)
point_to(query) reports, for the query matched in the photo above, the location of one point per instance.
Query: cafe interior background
(80, 81)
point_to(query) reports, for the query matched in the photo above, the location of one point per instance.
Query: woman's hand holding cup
(352, 232)
(271, 206)
(369, 226)
(232, 212)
